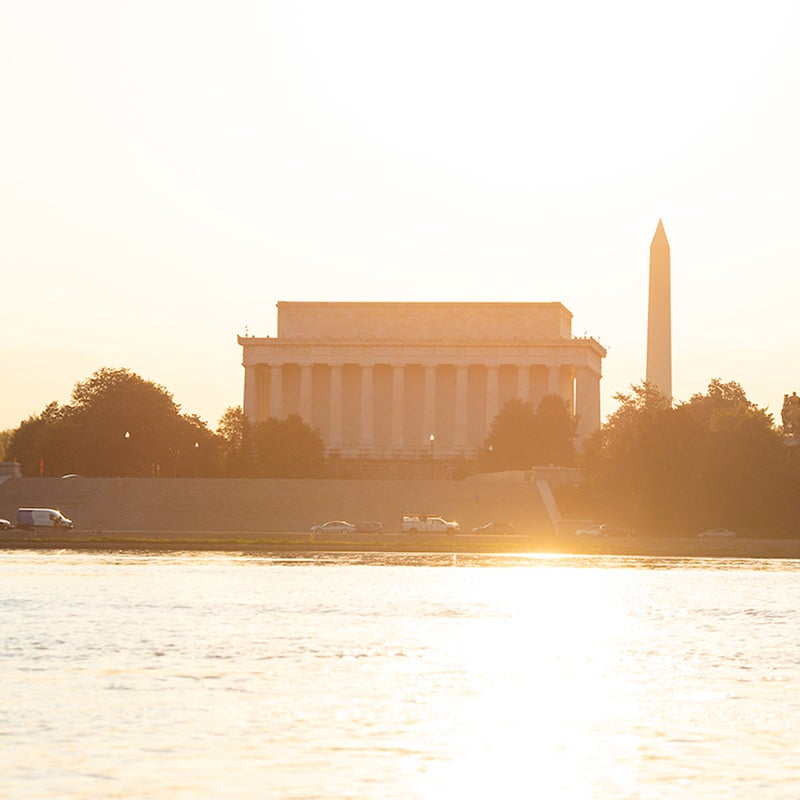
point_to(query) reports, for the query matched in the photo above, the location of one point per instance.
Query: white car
(5, 525)
(334, 526)
(594, 530)
(717, 533)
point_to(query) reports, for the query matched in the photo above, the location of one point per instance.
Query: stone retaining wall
(186, 504)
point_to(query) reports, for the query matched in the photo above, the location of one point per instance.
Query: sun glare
(533, 713)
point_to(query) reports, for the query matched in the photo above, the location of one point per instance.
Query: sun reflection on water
(538, 696)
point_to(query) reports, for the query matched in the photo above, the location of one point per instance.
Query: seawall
(259, 506)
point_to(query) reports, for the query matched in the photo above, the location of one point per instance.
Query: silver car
(334, 526)
(717, 533)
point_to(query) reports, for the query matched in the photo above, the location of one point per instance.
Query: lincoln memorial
(395, 380)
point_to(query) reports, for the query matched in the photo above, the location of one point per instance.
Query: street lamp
(196, 467)
(127, 438)
(432, 439)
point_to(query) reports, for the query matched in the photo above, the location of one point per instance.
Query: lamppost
(196, 452)
(432, 439)
(127, 438)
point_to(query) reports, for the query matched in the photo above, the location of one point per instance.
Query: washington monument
(659, 330)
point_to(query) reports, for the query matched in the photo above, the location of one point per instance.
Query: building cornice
(348, 342)
(587, 352)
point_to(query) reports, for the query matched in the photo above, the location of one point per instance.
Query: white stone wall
(388, 322)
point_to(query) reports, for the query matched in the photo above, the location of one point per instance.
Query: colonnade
(391, 408)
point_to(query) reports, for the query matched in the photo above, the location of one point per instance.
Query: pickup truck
(427, 523)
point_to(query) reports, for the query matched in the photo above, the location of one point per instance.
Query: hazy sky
(170, 170)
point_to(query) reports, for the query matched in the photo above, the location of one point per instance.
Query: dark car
(495, 527)
(368, 527)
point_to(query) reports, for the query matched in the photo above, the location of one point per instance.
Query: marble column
(587, 402)
(305, 393)
(276, 391)
(335, 424)
(429, 404)
(251, 409)
(524, 382)
(554, 380)
(262, 392)
(461, 409)
(492, 394)
(398, 405)
(367, 400)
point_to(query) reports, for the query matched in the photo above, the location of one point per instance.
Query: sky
(170, 170)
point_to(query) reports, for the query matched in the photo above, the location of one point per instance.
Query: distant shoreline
(277, 541)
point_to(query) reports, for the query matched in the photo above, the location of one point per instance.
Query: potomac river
(187, 674)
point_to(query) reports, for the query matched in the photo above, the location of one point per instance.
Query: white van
(42, 518)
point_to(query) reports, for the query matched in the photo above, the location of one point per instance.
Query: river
(218, 675)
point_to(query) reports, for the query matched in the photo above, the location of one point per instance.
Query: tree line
(716, 461)
(119, 424)
(658, 467)
(654, 465)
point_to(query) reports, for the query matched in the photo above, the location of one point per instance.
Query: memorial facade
(399, 380)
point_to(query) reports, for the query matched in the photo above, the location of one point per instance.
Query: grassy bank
(663, 547)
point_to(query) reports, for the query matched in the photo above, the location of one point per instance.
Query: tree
(618, 456)
(5, 440)
(132, 423)
(521, 437)
(555, 432)
(715, 461)
(39, 441)
(117, 424)
(739, 461)
(511, 440)
(287, 448)
(236, 443)
(275, 448)
(196, 448)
